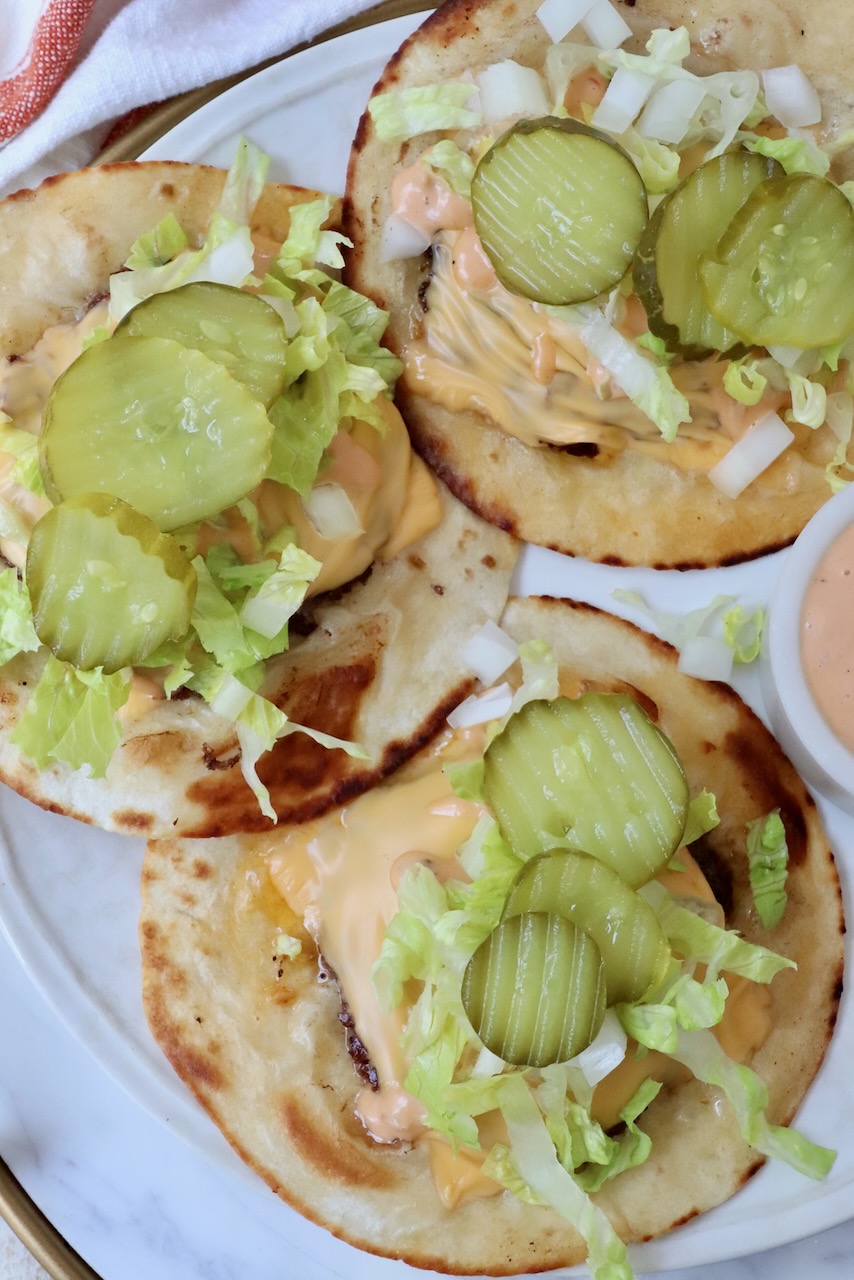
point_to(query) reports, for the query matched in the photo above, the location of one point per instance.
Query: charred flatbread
(258, 1039)
(378, 663)
(573, 490)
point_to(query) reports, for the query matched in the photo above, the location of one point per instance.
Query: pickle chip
(625, 928)
(783, 271)
(157, 424)
(534, 990)
(684, 227)
(593, 772)
(236, 329)
(107, 588)
(559, 209)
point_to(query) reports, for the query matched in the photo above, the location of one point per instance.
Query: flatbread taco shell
(265, 1054)
(382, 663)
(629, 508)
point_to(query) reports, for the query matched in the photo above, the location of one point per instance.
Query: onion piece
(560, 16)
(622, 100)
(604, 26)
(330, 510)
(482, 707)
(707, 658)
(489, 652)
(509, 89)
(751, 455)
(791, 97)
(399, 239)
(669, 112)
(605, 1053)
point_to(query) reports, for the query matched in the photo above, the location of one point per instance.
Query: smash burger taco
(199, 453)
(587, 958)
(617, 251)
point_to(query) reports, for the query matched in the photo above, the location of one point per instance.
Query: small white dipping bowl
(812, 746)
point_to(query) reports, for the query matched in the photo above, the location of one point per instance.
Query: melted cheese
(492, 351)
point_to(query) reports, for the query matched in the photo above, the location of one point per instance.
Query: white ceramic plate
(70, 894)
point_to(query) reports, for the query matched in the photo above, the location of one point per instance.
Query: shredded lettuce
(768, 858)
(23, 446)
(744, 382)
(702, 817)
(268, 606)
(743, 632)
(71, 717)
(795, 154)
(451, 163)
(17, 634)
(809, 400)
(748, 1096)
(404, 113)
(226, 256)
(698, 940)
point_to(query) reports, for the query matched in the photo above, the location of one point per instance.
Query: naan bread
(264, 1052)
(382, 663)
(630, 508)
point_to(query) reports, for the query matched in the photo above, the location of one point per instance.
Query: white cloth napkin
(95, 60)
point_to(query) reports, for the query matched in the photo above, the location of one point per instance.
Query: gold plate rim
(50, 1249)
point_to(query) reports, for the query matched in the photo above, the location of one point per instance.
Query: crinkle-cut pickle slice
(566, 882)
(684, 227)
(534, 990)
(783, 271)
(235, 328)
(157, 424)
(107, 588)
(559, 209)
(593, 773)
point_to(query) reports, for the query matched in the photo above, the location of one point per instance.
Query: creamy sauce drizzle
(827, 636)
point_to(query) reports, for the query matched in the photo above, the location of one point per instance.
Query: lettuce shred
(768, 859)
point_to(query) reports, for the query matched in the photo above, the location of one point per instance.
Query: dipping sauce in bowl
(807, 664)
(827, 636)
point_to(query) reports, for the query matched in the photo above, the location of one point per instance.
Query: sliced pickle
(783, 271)
(157, 424)
(559, 209)
(568, 883)
(684, 227)
(594, 773)
(534, 990)
(106, 586)
(235, 328)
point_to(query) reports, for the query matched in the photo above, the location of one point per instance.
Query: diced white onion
(487, 1063)
(604, 1054)
(791, 97)
(228, 263)
(560, 16)
(399, 239)
(330, 510)
(706, 657)
(788, 357)
(669, 112)
(481, 707)
(623, 99)
(509, 89)
(489, 652)
(749, 456)
(604, 26)
(230, 698)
